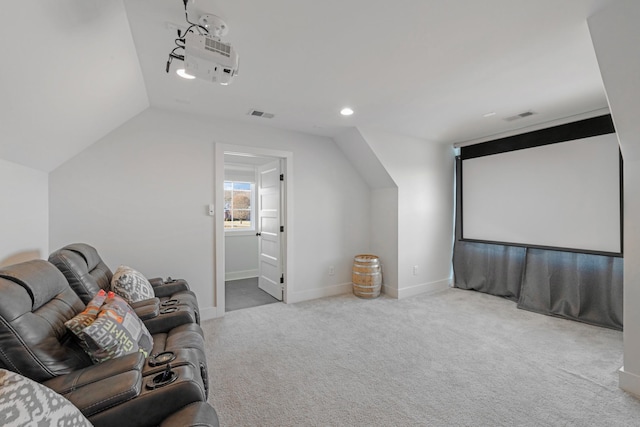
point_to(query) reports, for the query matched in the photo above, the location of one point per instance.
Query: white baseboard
(328, 291)
(238, 275)
(629, 382)
(207, 313)
(423, 288)
(344, 288)
(390, 292)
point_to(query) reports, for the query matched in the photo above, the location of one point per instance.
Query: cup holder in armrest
(162, 379)
(169, 310)
(161, 358)
(169, 302)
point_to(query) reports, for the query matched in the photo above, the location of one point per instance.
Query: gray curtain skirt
(583, 287)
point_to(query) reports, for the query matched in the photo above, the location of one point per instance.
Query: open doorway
(251, 253)
(252, 191)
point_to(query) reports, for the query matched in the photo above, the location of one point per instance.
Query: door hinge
(282, 278)
(282, 228)
(281, 177)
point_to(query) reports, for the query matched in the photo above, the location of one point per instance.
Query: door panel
(270, 257)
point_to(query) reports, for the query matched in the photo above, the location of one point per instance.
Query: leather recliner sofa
(174, 304)
(35, 302)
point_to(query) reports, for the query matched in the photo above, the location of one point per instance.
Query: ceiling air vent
(519, 116)
(262, 114)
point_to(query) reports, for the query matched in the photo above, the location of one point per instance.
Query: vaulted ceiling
(76, 69)
(69, 76)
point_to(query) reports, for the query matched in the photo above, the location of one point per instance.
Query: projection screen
(565, 195)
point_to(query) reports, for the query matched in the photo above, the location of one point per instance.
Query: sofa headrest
(89, 253)
(84, 269)
(41, 279)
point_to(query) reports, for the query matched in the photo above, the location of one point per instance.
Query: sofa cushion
(116, 331)
(131, 285)
(24, 402)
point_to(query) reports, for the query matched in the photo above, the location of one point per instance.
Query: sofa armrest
(147, 312)
(145, 302)
(66, 383)
(100, 387)
(166, 289)
(152, 406)
(156, 281)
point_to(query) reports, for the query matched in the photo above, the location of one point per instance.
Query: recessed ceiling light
(489, 114)
(182, 73)
(346, 111)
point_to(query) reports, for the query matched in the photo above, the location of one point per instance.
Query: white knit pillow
(24, 402)
(131, 285)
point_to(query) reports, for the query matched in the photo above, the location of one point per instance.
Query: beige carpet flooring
(453, 358)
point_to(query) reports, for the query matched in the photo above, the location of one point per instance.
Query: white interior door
(270, 278)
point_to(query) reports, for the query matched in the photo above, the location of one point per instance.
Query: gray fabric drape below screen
(492, 269)
(574, 285)
(582, 287)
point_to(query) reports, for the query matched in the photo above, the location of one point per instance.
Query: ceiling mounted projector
(205, 55)
(207, 58)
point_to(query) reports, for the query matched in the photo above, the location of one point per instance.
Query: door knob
(258, 234)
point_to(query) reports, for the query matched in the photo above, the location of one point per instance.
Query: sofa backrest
(84, 269)
(35, 301)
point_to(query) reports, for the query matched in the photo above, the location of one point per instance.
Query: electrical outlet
(415, 270)
(332, 270)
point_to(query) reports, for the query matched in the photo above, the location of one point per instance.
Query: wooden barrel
(367, 276)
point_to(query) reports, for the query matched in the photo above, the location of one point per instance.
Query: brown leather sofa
(174, 304)
(35, 302)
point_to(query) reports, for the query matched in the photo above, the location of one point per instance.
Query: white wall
(24, 217)
(384, 235)
(241, 255)
(423, 172)
(615, 35)
(140, 194)
(384, 204)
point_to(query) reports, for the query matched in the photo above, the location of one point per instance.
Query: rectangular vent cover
(519, 116)
(262, 114)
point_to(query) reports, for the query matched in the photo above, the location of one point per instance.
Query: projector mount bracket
(207, 24)
(214, 24)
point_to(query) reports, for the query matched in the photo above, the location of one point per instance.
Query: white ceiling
(69, 76)
(76, 69)
(426, 68)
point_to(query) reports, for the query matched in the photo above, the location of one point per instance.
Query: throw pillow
(24, 402)
(87, 316)
(117, 331)
(131, 285)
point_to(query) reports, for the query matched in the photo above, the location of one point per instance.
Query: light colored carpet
(454, 358)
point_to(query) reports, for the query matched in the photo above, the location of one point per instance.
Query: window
(238, 205)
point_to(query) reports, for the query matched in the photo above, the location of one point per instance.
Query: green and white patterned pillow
(131, 285)
(116, 331)
(24, 402)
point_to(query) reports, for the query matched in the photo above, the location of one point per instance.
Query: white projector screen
(564, 195)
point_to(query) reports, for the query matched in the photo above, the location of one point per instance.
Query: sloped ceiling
(426, 68)
(76, 69)
(69, 76)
